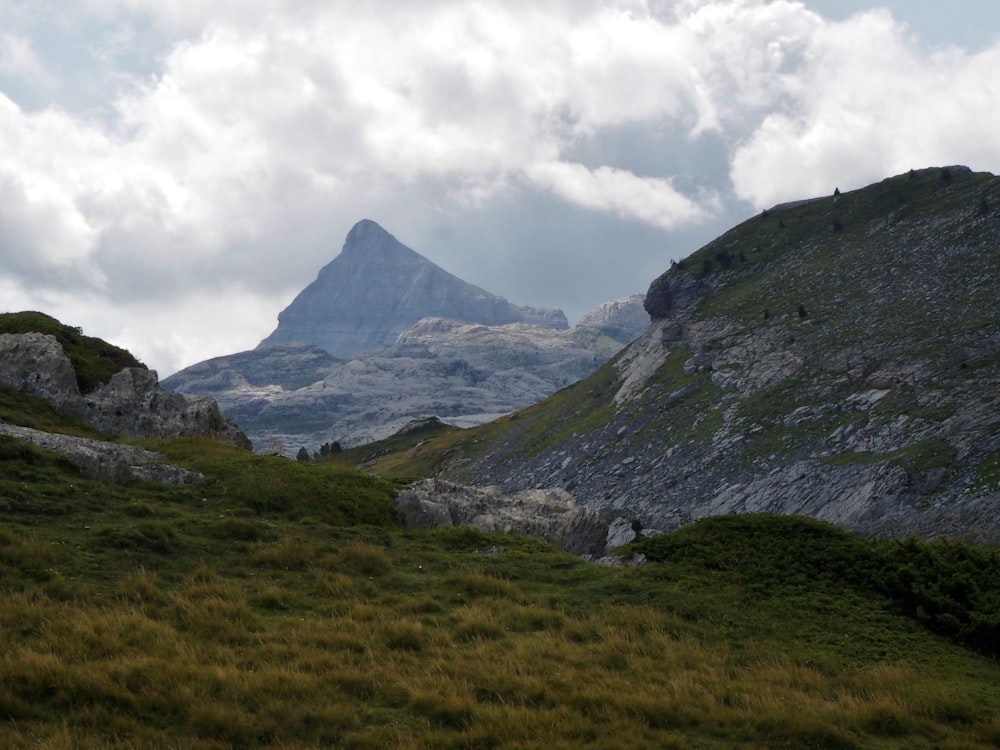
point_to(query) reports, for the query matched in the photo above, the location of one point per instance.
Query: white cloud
(651, 200)
(866, 106)
(19, 60)
(234, 171)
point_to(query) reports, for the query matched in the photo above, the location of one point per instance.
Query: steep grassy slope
(836, 357)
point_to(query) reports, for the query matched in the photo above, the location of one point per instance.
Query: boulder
(551, 515)
(132, 404)
(35, 363)
(110, 462)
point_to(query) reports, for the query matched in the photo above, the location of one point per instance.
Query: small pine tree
(802, 311)
(724, 258)
(302, 455)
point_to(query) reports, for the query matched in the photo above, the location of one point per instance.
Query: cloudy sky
(173, 172)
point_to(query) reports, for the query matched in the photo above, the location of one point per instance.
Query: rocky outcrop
(35, 363)
(674, 291)
(109, 462)
(622, 319)
(131, 404)
(550, 515)
(377, 288)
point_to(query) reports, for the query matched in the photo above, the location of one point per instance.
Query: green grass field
(279, 605)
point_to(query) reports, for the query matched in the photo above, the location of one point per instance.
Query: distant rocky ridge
(418, 342)
(837, 357)
(130, 404)
(297, 395)
(377, 288)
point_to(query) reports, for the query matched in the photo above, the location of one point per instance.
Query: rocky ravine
(838, 358)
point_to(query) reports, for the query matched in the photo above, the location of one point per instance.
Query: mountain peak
(377, 288)
(367, 236)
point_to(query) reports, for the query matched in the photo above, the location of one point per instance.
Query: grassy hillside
(816, 352)
(279, 605)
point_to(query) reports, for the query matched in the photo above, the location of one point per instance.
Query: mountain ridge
(291, 395)
(468, 357)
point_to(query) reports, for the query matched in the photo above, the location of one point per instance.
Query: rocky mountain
(287, 396)
(383, 336)
(837, 357)
(377, 288)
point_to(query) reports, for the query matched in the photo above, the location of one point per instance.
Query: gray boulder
(110, 462)
(551, 515)
(132, 404)
(35, 363)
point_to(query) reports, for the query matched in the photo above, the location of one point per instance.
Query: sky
(174, 172)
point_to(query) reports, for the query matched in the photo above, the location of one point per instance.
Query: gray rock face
(623, 319)
(132, 404)
(35, 363)
(377, 288)
(464, 373)
(109, 462)
(550, 515)
(671, 292)
(850, 374)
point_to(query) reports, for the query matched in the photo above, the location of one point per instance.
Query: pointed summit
(369, 240)
(377, 288)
